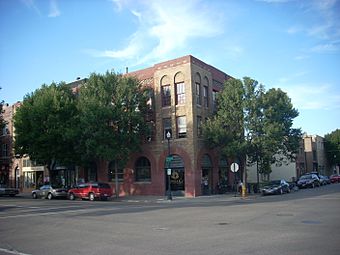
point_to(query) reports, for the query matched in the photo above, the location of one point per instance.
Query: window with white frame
(181, 127)
(180, 93)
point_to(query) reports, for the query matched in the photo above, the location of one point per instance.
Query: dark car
(276, 187)
(49, 192)
(308, 181)
(6, 191)
(335, 178)
(91, 191)
(324, 180)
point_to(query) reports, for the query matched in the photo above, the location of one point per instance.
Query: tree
(225, 130)
(332, 147)
(111, 116)
(44, 126)
(252, 121)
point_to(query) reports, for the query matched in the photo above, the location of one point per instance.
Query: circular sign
(234, 167)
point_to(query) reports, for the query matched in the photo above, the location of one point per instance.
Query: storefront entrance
(177, 177)
(207, 180)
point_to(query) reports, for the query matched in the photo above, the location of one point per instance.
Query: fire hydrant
(243, 190)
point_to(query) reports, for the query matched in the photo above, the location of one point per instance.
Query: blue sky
(287, 44)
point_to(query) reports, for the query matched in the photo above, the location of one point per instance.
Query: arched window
(206, 92)
(143, 170)
(165, 91)
(198, 89)
(180, 89)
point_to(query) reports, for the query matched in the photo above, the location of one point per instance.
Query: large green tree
(44, 126)
(332, 147)
(111, 116)
(254, 122)
(225, 130)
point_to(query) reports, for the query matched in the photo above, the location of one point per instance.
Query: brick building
(182, 96)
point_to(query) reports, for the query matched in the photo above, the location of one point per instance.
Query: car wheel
(72, 197)
(91, 197)
(34, 195)
(49, 196)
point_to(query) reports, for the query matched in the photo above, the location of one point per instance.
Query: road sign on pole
(234, 167)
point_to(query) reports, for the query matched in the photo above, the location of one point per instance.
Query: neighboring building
(311, 158)
(315, 155)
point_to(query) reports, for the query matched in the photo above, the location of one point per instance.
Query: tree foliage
(332, 147)
(254, 122)
(111, 116)
(44, 125)
(225, 130)
(103, 122)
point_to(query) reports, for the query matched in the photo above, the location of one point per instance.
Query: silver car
(49, 192)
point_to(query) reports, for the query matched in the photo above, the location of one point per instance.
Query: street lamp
(168, 160)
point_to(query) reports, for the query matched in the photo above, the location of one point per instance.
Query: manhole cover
(160, 229)
(223, 223)
(284, 214)
(311, 222)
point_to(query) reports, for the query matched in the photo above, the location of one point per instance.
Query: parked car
(308, 181)
(324, 180)
(335, 178)
(91, 191)
(276, 187)
(6, 191)
(49, 192)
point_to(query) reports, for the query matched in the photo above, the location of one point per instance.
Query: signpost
(168, 160)
(234, 168)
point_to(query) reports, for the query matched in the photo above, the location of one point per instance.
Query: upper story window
(205, 96)
(198, 94)
(166, 127)
(166, 95)
(214, 98)
(181, 127)
(199, 126)
(206, 92)
(180, 93)
(5, 150)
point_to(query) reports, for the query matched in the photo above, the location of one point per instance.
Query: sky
(293, 45)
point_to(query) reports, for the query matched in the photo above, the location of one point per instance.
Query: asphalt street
(303, 222)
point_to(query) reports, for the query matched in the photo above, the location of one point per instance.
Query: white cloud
(54, 10)
(32, 5)
(324, 48)
(314, 96)
(166, 27)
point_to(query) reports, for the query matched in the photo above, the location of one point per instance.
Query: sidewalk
(175, 199)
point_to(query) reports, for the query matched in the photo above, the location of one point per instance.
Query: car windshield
(276, 182)
(305, 177)
(104, 185)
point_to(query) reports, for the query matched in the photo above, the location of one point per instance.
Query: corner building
(182, 96)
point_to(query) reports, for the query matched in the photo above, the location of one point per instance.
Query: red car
(91, 191)
(335, 178)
